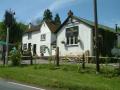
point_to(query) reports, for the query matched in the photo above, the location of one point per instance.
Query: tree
(2, 31)
(15, 31)
(47, 15)
(57, 19)
(9, 19)
(118, 29)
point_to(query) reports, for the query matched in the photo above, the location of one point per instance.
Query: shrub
(116, 72)
(15, 58)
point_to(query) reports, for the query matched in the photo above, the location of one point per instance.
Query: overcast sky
(30, 10)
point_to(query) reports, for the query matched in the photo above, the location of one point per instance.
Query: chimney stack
(70, 13)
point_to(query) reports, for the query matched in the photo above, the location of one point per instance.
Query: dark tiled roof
(33, 29)
(52, 26)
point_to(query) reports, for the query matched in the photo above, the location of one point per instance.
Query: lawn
(66, 77)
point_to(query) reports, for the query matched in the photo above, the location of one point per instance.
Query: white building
(76, 36)
(40, 39)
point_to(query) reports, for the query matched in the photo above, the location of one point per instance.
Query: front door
(34, 49)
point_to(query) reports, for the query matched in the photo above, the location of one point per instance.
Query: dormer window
(29, 35)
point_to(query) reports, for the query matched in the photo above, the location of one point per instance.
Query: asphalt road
(6, 85)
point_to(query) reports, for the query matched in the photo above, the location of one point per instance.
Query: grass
(66, 77)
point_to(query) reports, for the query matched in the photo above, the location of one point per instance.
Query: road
(6, 85)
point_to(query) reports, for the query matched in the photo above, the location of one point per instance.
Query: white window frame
(25, 46)
(42, 49)
(69, 42)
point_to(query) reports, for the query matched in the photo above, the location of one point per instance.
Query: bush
(116, 72)
(15, 58)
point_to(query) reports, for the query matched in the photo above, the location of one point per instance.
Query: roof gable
(86, 22)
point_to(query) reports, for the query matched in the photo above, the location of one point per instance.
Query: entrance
(34, 49)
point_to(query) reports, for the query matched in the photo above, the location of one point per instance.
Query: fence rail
(103, 57)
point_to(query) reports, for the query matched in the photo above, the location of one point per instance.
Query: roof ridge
(92, 24)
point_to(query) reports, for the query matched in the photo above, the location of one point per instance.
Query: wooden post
(31, 59)
(57, 56)
(3, 55)
(83, 61)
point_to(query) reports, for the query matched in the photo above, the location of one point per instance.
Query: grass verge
(66, 77)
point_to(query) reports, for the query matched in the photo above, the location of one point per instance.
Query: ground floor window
(42, 49)
(24, 46)
(29, 46)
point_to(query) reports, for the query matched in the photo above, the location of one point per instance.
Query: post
(31, 58)
(3, 54)
(7, 46)
(96, 37)
(83, 61)
(57, 56)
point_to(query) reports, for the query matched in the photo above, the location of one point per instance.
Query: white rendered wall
(84, 36)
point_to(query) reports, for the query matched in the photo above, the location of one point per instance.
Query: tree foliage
(9, 19)
(47, 15)
(16, 29)
(118, 29)
(57, 19)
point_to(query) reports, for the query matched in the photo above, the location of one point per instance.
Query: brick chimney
(70, 13)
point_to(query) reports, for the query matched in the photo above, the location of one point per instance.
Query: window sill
(71, 45)
(42, 40)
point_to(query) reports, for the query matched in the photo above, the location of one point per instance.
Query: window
(43, 37)
(72, 35)
(42, 49)
(34, 49)
(29, 46)
(72, 40)
(29, 35)
(24, 46)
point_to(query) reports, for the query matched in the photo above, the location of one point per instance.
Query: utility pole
(96, 37)
(7, 47)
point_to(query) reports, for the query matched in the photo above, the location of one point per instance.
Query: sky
(31, 10)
